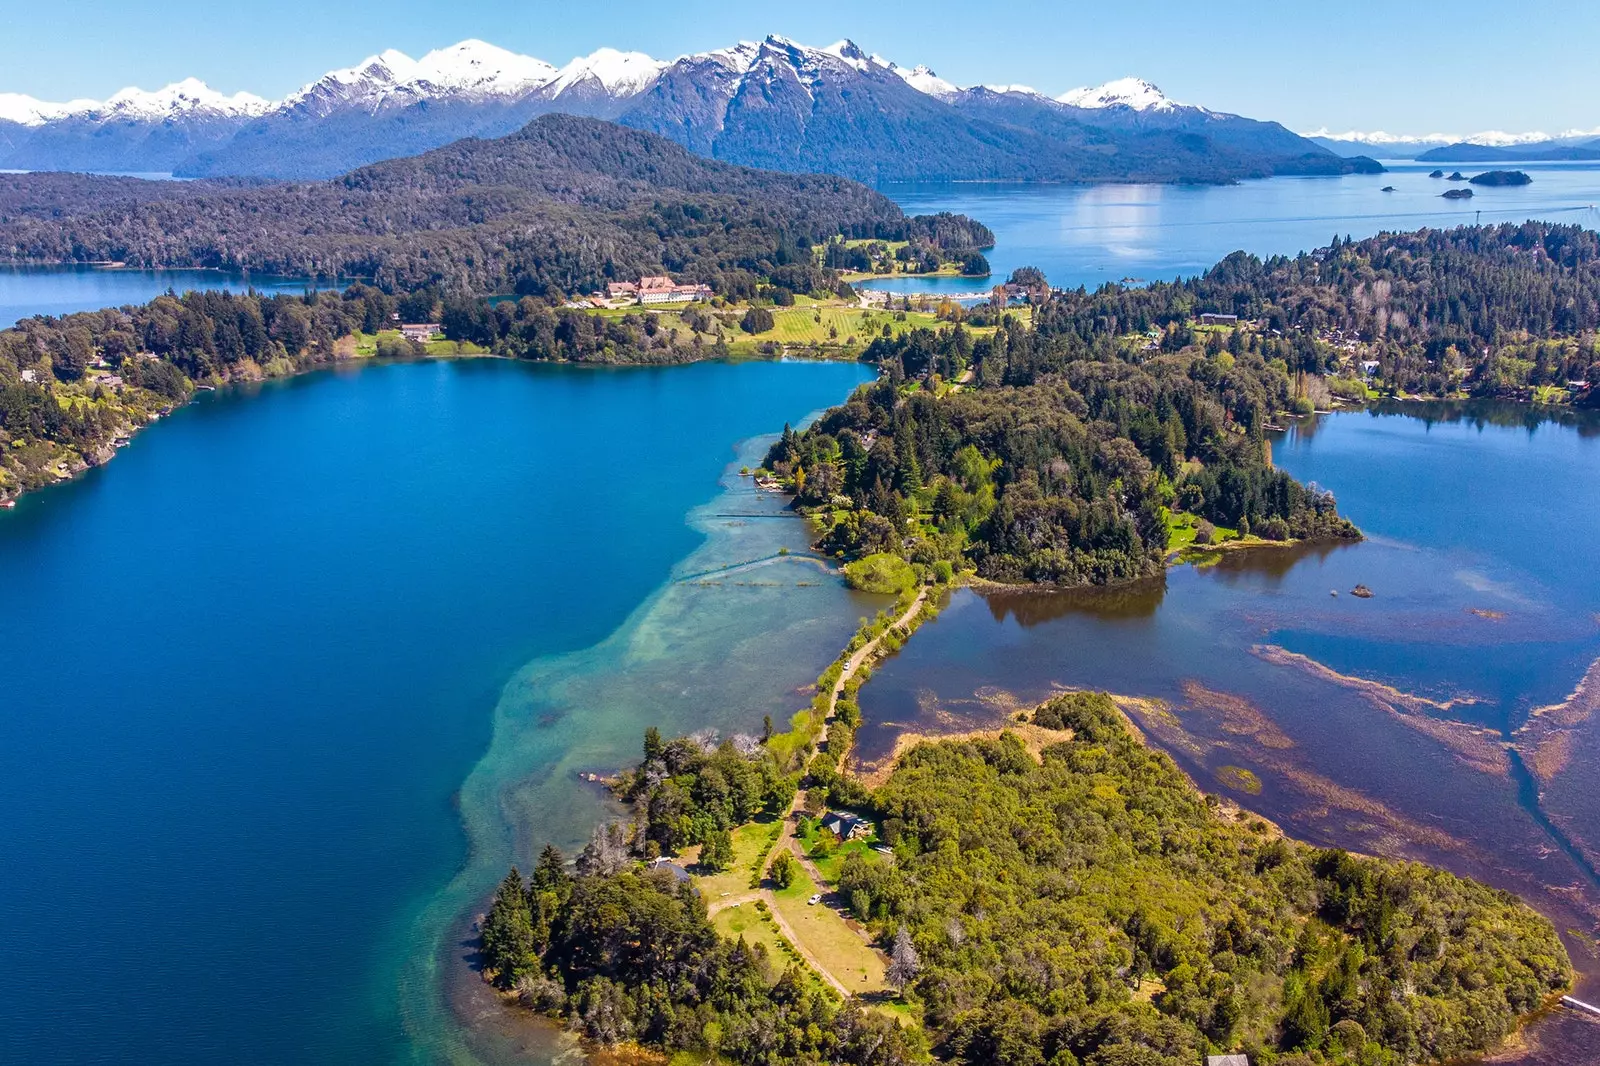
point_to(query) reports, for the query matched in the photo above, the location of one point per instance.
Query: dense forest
(564, 204)
(1059, 467)
(1083, 907)
(1487, 310)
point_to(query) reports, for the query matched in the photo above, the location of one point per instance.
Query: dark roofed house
(679, 874)
(1209, 319)
(846, 826)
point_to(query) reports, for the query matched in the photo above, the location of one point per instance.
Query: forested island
(1068, 901)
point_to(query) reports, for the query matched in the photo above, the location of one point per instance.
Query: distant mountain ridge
(1468, 152)
(1526, 146)
(774, 103)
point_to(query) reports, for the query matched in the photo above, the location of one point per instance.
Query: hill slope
(565, 201)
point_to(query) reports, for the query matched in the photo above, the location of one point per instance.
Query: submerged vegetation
(1083, 906)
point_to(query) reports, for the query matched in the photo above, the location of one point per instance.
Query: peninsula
(1069, 899)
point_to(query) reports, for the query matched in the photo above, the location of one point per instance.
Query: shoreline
(81, 464)
(564, 712)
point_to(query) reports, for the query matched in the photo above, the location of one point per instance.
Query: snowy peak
(481, 68)
(25, 110)
(187, 97)
(1488, 138)
(474, 70)
(926, 81)
(1133, 93)
(617, 73)
(184, 99)
(1020, 90)
(471, 69)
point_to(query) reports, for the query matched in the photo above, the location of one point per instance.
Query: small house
(846, 826)
(1369, 367)
(1209, 319)
(618, 290)
(1227, 1060)
(679, 874)
(420, 331)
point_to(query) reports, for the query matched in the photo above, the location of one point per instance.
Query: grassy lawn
(751, 841)
(746, 920)
(830, 860)
(839, 325)
(1180, 529)
(834, 944)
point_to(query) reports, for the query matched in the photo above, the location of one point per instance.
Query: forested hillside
(566, 204)
(1086, 906)
(1438, 309)
(1059, 467)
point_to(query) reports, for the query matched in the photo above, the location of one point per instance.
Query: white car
(814, 900)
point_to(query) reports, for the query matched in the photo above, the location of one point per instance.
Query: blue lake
(60, 290)
(1091, 234)
(250, 663)
(293, 679)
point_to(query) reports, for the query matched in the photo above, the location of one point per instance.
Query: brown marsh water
(1449, 718)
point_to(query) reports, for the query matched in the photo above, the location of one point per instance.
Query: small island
(1437, 174)
(1456, 176)
(1457, 194)
(1502, 177)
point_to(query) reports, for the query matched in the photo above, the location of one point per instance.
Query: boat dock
(1580, 1005)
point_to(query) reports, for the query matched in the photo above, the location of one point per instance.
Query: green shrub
(882, 573)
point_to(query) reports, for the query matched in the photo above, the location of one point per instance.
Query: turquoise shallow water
(250, 663)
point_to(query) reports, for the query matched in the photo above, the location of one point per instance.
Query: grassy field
(748, 921)
(366, 345)
(751, 842)
(823, 933)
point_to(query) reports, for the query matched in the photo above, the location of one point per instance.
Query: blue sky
(1402, 65)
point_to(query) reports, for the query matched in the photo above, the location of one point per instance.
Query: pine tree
(904, 962)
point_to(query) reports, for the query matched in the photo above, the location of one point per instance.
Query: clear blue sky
(1400, 65)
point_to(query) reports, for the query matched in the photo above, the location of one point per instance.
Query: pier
(1580, 1005)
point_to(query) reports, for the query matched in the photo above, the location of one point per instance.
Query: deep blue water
(1091, 234)
(249, 663)
(52, 290)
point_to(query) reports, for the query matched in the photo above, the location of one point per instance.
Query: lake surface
(1091, 234)
(250, 663)
(26, 291)
(1398, 724)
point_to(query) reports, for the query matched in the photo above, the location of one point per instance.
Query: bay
(250, 663)
(1091, 234)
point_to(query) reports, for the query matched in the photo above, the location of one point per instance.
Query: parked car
(814, 900)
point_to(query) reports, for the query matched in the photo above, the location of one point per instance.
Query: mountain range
(774, 103)
(1488, 146)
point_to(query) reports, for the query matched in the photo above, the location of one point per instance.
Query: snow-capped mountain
(1134, 93)
(1458, 146)
(775, 103)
